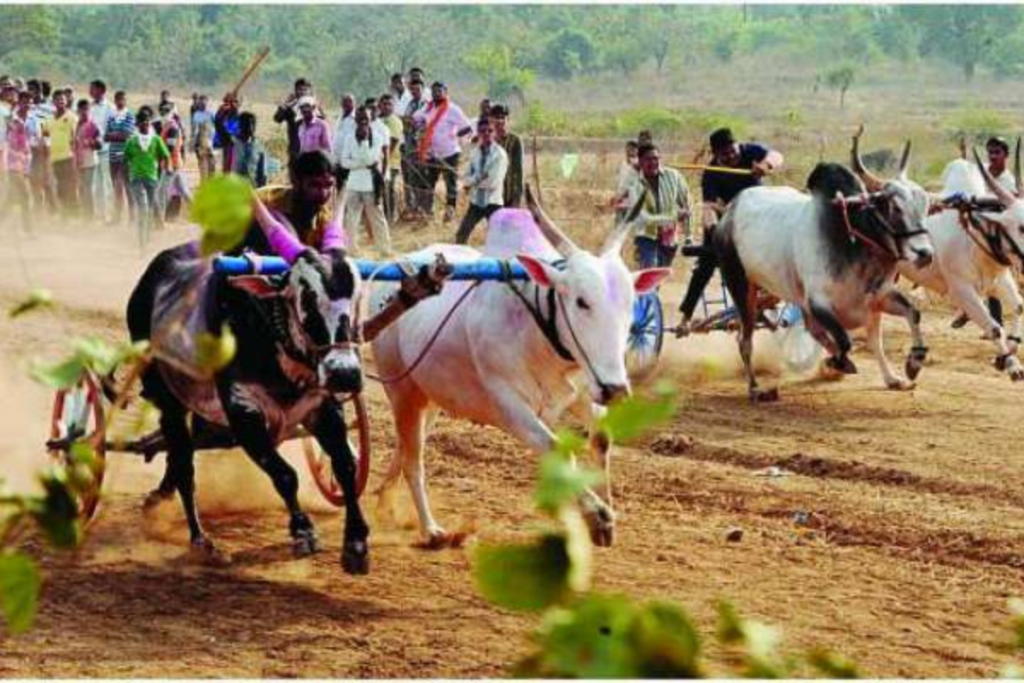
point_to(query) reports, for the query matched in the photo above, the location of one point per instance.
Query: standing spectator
(400, 94)
(251, 158)
(443, 123)
(19, 158)
(483, 111)
(203, 132)
(120, 127)
(362, 158)
(314, 135)
(414, 174)
(101, 111)
(662, 200)
(288, 114)
(145, 153)
(393, 123)
(60, 132)
(513, 146)
(88, 142)
(343, 128)
(225, 122)
(172, 190)
(8, 101)
(485, 180)
(40, 175)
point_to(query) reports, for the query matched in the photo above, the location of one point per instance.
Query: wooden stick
(716, 169)
(536, 171)
(253, 65)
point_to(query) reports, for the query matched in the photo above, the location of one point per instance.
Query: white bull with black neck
(833, 251)
(973, 252)
(514, 355)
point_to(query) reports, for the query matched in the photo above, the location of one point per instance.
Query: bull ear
(255, 285)
(645, 281)
(540, 272)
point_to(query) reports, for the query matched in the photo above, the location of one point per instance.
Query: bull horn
(998, 190)
(872, 182)
(1016, 168)
(904, 161)
(616, 240)
(556, 237)
(963, 147)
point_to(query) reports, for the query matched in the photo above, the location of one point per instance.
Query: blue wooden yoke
(482, 269)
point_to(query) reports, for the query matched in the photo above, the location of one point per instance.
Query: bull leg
(410, 422)
(1005, 288)
(329, 427)
(970, 300)
(875, 343)
(599, 503)
(181, 472)
(895, 303)
(840, 360)
(250, 429)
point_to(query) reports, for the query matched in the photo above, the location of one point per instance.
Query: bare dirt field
(914, 537)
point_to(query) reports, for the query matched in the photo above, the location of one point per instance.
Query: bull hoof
(900, 384)
(912, 368)
(764, 395)
(305, 543)
(1017, 375)
(442, 539)
(603, 536)
(203, 551)
(355, 558)
(841, 364)
(154, 498)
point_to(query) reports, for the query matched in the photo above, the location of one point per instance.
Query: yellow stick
(716, 169)
(260, 56)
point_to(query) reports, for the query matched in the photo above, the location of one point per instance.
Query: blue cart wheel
(645, 336)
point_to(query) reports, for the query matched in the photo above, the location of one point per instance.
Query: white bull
(972, 262)
(513, 360)
(833, 251)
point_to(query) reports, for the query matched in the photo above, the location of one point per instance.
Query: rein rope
(854, 234)
(993, 246)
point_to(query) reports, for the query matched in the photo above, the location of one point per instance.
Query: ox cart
(784, 320)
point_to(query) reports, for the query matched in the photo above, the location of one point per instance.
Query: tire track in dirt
(805, 513)
(823, 467)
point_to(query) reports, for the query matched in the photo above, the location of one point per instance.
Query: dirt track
(914, 542)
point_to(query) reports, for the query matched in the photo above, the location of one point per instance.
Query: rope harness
(856, 235)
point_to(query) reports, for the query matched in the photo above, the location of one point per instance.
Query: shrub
(976, 124)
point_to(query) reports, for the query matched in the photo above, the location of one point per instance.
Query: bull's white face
(325, 294)
(908, 209)
(595, 310)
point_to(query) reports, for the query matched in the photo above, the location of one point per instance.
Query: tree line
(505, 47)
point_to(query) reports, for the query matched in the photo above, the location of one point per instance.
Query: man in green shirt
(145, 154)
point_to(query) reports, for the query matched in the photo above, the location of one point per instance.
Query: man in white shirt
(400, 93)
(443, 124)
(100, 112)
(362, 156)
(343, 129)
(484, 180)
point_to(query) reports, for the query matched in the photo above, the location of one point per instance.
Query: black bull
(279, 377)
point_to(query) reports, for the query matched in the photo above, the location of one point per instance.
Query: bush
(976, 124)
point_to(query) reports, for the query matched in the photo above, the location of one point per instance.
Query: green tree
(27, 26)
(568, 53)
(496, 67)
(840, 79)
(965, 35)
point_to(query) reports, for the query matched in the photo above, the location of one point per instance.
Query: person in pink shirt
(87, 144)
(443, 123)
(19, 158)
(314, 135)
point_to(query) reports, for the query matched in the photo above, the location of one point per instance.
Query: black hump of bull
(825, 181)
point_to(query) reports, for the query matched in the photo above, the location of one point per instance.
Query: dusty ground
(914, 544)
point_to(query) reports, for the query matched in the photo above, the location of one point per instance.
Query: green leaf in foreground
(832, 664)
(633, 416)
(526, 577)
(214, 352)
(19, 591)
(56, 512)
(666, 642)
(62, 375)
(222, 207)
(37, 298)
(561, 482)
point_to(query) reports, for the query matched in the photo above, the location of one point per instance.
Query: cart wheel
(800, 349)
(78, 415)
(320, 463)
(645, 336)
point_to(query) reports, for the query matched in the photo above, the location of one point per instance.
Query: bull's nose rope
(430, 342)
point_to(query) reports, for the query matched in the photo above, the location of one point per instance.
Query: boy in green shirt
(145, 154)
